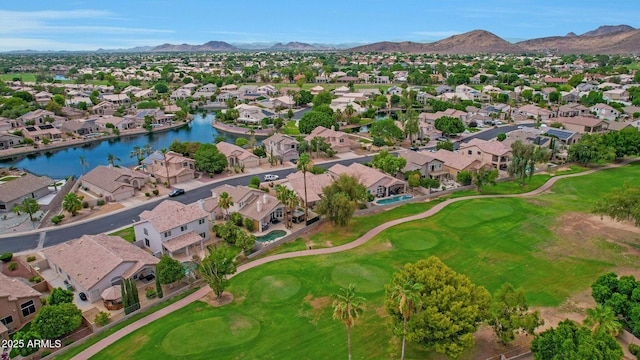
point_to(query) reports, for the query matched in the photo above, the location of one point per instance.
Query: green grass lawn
(282, 309)
(126, 234)
(26, 77)
(290, 128)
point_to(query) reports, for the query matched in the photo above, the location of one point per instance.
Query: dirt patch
(328, 243)
(317, 303)
(105, 209)
(212, 300)
(382, 312)
(487, 346)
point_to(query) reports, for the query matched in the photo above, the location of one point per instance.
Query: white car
(271, 177)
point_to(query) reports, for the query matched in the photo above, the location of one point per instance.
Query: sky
(89, 25)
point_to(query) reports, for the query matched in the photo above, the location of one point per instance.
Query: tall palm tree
(166, 166)
(225, 201)
(137, 153)
(305, 164)
(347, 306)
(147, 149)
(603, 318)
(407, 297)
(282, 194)
(111, 159)
(83, 163)
(292, 202)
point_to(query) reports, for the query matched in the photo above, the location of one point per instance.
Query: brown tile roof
(170, 214)
(251, 198)
(15, 189)
(490, 147)
(92, 257)
(110, 178)
(315, 184)
(580, 120)
(182, 241)
(454, 160)
(366, 175)
(13, 288)
(234, 150)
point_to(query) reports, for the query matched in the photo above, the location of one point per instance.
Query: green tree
(575, 80)
(29, 339)
(225, 201)
(71, 203)
(169, 270)
(444, 145)
(485, 176)
(510, 313)
(322, 98)
(159, 288)
(501, 137)
(622, 204)
(387, 130)
(53, 321)
(603, 318)
(449, 125)
(410, 123)
(29, 206)
(464, 178)
(388, 163)
(60, 296)
(216, 267)
(340, 199)
(313, 119)
(406, 297)
(555, 96)
(347, 307)
(245, 241)
(590, 149)
(571, 341)
(83, 163)
(242, 142)
(59, 99)
(209, 159)
(138, 154)
(161, 88)
(524, 159)
(441, 323)
(305, 165)
(111, 159)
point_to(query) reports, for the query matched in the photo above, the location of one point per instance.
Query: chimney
(265, 198)
(201, 203)
(259, 203)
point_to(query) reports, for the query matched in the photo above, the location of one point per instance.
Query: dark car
(176, 192)
(83, 296)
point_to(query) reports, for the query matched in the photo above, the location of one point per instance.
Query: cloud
(53, 14)
(9, 44)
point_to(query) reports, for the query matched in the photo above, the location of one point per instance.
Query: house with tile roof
(172, 166)
(315, 184)
(338, 140)
(237, 156)
(376, 182)
(251, 203)
(583, 124)
(114, 183)
(19, 304)
(493, 153)
(281, 147)
(605, 112)
(174, 228)
(94, 263)
(28, 186)
(427, 165)
(9, 140)
(455, 162)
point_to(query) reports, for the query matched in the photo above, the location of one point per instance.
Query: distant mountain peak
(609, 29)
(571, 34)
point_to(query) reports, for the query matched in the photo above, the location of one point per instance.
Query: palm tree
(305, 164)
(407, 297)
(347, 307)
(147, 149)
(83, 163)
(137, 153)
(111, 159)
(292, 202)
(603, 318)
(72, 203)
(225, 202)
(282, 194)
(166, 166)
(29, 206)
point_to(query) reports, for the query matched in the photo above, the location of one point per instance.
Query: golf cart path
(104, 343)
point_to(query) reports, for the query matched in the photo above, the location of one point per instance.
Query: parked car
(176, 192)
(68, 285)
(443, 138)
(271, 177)
(83, 296)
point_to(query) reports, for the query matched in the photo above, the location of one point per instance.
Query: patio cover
(111, 294)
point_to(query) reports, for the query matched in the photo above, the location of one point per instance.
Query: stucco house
(19, 304)
(338, 140)
(583, 124)
(455, 162)
(376, 182)
(28, 186)
(94, 263)
(237, 156)
(171, 165)
(114, 183)
(9, 140)
(173, 228)
(282, 147)
(492, 153)
(604, 111)
(422, 161)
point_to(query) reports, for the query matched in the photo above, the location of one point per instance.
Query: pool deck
(392, 199)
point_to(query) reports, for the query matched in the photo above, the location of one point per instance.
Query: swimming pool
(393, 199)
(189, 267)
(271, 236)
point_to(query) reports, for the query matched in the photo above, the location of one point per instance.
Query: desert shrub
(147, 194)
(31, 258)
(13, 266)
(85, 204)
(6, 257)
(248, 223)
(156, 192)
(100, 202)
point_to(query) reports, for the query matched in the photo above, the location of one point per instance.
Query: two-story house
(237, 156)
(281, 147)
(492, 153)
(604, 111)
(114, 183)
(174, 228)
(170, 168)
(583, 124)
(422, 161)
(19, 304)
(251, 203)
(376, 182)
(338, 140)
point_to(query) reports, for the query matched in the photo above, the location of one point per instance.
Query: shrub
(100, 202)
(102, 318)
(378, 142)
(85, 204)
(31, 258)
(255, 181)
(147, 194)
(634, 349)
(67, 342)
(6, 257)
(13, 266)
(150, 293)
(57, 219)
(156, 192)
(236, 218)
(35, 279)
(248, 223)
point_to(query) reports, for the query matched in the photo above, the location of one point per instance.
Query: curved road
(102, 344)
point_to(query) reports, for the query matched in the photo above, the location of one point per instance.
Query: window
(183, 227)
(341, 140)
(146, 242)
(167, 233)
(293, 146)
(201, 221)
(28, 308)
(6, 321)
(479, 153)
(469, 152)
(3, 207)
(184, 164)
(145, 231)
(203, 235)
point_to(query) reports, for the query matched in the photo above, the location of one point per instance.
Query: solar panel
(564, 135)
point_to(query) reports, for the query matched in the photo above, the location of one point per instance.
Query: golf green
(276, 288)
(230, 330)
(478, 212)
(413, 239)
(367, 278)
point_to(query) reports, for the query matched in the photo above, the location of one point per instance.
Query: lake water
(66, 162)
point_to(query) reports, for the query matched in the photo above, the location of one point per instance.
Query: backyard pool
(189, 267)
(271, 236)
(393, 199)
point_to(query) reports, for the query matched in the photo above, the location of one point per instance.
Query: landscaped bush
(31, 258)
(156, 192)
(236, 218)
(45, 353)
(85, 204)
(102, 318)
(147, 194)
(67, 342)
(100, 202)
(57, 219)
(150, 293)
(35, 279)
(6, 257)
(248, 223)
(13, 266)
